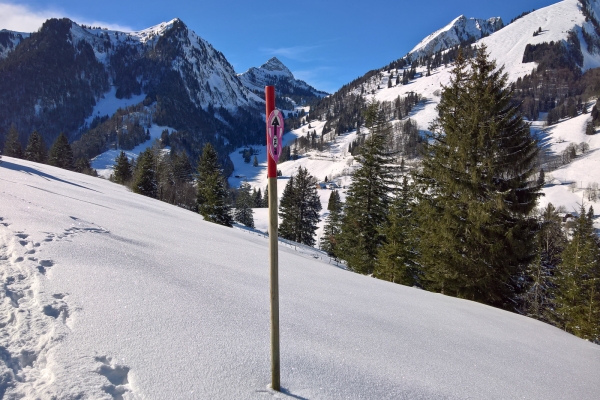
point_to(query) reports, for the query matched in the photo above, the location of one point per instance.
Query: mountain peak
(274, 66)
(459, 30)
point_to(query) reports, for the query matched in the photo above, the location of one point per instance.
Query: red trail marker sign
(274, 133)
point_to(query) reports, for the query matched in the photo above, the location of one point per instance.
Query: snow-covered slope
(275, 73)
(209, 76)
(461, 29)
(507, 46)
(9, 40)
(106, 294)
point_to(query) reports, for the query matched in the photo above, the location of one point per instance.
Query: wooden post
(273, 251)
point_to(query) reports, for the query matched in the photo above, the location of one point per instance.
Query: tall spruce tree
(477, 230)
(144, 181)
(538, 297)
(12, 146)
(396, 258)
(212, 192)
(61, 154)
(243, 206)
(368, 196)
(333, 224)
(36, 148)
(578, 281)
(299, 208)
(122, 170)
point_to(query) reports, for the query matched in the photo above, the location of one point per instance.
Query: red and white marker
(274, 133)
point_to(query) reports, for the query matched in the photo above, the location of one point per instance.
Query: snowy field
(104, 163)
(107, 293)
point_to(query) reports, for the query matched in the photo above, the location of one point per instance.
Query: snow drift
(108, 294)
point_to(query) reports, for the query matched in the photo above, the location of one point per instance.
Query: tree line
(59, 155)
(465, 223)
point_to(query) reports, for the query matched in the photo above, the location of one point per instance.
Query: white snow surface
(109, 293)
(457, 31)
(507, 46)
(583, 170)
(109, 104)
(104, 163)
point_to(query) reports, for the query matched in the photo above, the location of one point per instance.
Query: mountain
(459, 31)
(274, 73)
(9, 40)
(108, 294)
(186, 84)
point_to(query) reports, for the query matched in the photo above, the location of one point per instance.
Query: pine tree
(212, 193)
(255, 162)
(243, 206)
(368, 196)
(61, 154)
(299, 208)
(477, 195)
(578, 281)
(265, 202)
(84, 166)
(538, 298)
(12, 146)
(258, 200)
(122, 169)
(396, 258)
(36, 148)
(144, 181)
(333, 224)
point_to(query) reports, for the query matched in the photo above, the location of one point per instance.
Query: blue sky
(326, 43)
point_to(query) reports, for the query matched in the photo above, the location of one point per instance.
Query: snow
(507, 46)
(457, 31)
(582, 171)
(335, 163)
(107, 292)
(109, 104)
(104, 163)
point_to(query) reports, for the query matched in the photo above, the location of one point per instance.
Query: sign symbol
(274, 133)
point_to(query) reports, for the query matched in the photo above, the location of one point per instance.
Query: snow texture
(107, 294)
(453, 34)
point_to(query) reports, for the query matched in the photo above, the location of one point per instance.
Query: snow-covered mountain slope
(9, 40)
(108, 294)
(206, 71)
(507, 46)
(568, 185)
(460, 30)
(274, 73)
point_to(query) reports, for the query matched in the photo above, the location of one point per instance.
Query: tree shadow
(34, 171)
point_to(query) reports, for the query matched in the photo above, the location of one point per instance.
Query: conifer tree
(477, 230)
(83, 165)
(145, 175)
(265, 202)
(258, 201)
(243, 206)
(212, 193)
(396, 258)
(12, 146)
(333, 224)
(36, 148)
(538, 297)
(122, 169)
(299, 208)
(578, 281)
(368, 196)
(61, 154)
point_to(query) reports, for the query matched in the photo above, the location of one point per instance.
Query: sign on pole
(274, 134)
